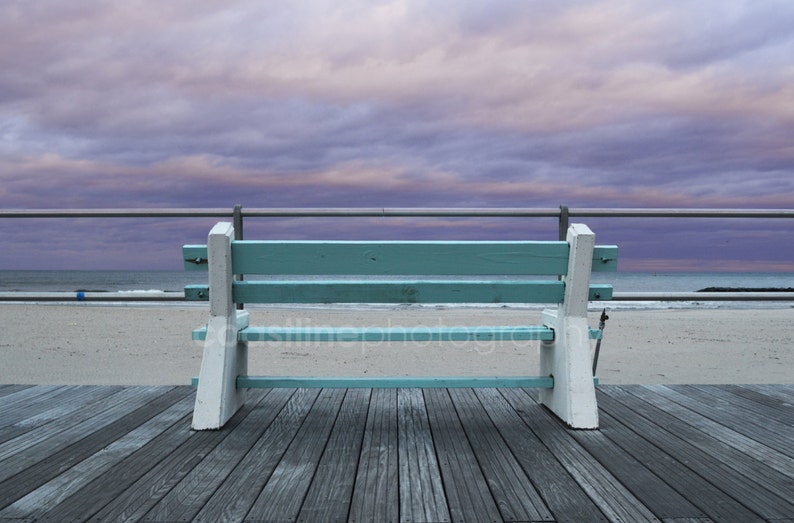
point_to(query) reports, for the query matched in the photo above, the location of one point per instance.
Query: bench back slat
(418, 291)
(400, 258)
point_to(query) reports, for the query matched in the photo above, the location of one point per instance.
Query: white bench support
(217, 397)
(567, 357)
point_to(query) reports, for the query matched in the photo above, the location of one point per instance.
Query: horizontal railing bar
(396, 212)
(124, 296)
(703, 296)
(682, 213)
(404, 212)
(170, 296)
(115, 213)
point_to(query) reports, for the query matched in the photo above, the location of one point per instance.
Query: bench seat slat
(394, 334)
(369, 291)
(249, 382)
(400, 258)
(376, 334)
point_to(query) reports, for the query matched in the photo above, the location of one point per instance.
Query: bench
(441, 272)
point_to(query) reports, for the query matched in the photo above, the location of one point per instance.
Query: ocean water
(114, 281)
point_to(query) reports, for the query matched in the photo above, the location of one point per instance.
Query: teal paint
(400, 258)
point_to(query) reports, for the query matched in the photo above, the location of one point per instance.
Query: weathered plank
(28, 471)
(150, 488)
(28, 413)
(34, 504)
(764, 408)
(376, 494)
(608, 493)
(467, 492)
(192, 492)
(239, 490)
(513, 492)
(728, 475)
(670, 453)
(421, 488)
(721, 457)
(783, 393)
(20, 397)
(115, 482)
(331, 490)
(6, 390)
(772, 433)
(758, 450)
(43, 442)
(784, 406)
(560, 492)
(664, 501)
(285, 490)
(697, 490)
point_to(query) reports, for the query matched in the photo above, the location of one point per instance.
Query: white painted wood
(567, 358)
(217, 397)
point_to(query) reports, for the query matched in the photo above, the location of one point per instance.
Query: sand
(150, 345)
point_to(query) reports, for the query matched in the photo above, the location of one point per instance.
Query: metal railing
(563, 214)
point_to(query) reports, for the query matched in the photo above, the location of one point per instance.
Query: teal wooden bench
(566, 381)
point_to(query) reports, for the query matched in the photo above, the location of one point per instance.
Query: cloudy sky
(506, 103)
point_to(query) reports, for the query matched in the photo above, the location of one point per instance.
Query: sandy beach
(151, 345)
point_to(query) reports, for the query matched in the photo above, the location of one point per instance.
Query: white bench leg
(567, 358)
(217, 397)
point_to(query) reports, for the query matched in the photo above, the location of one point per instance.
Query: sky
(501, 103)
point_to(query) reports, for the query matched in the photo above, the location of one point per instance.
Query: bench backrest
(417, 271)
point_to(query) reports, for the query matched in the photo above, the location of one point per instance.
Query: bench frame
(567, 384)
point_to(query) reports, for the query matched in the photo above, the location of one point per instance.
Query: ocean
(175, 281)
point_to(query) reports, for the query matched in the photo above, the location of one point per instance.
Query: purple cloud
(594, 103)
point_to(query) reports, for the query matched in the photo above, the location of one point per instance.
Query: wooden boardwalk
(669, 453)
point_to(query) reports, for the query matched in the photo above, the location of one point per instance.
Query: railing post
(564, 223)
(238, 235)
(238, 222)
